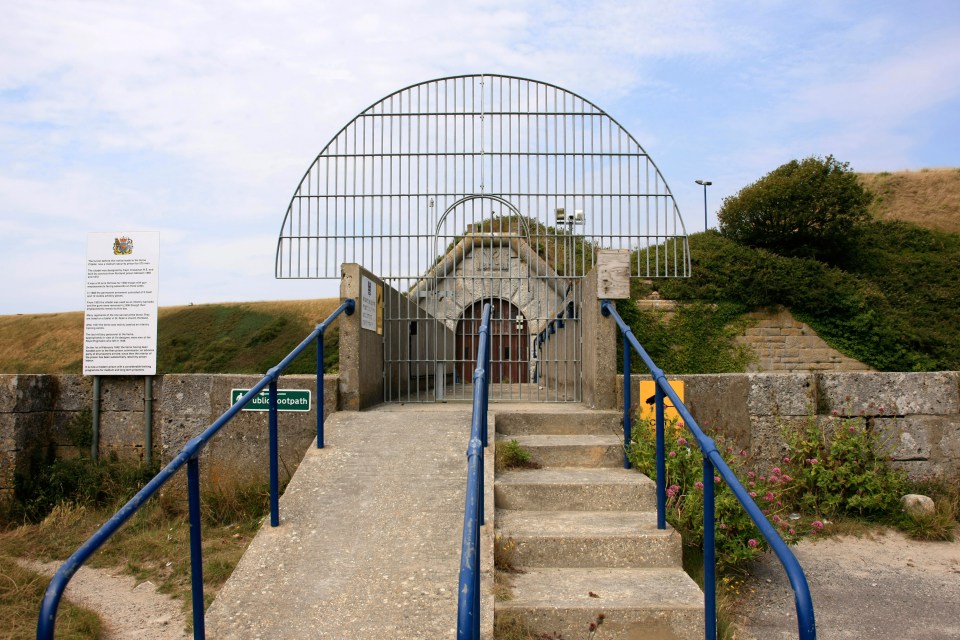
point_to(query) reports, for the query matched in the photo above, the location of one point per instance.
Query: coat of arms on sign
(122, 246)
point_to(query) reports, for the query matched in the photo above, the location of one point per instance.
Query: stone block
(122, 393)
(34, 393)
(948, 444)
(74, 392)
(790, 394)
(767, 441)
(121, 429)
(853, 393)
(8, 393)
(908, 438)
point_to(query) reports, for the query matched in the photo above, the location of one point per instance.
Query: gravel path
(129, 611)
(885, 586)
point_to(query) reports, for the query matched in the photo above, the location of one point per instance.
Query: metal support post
(709, 552)
(627, 436)
(661, 464)
(196, 549)
(274, 459)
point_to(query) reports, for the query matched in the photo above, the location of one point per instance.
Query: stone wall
(37, 412)
(916, 414)
(782, 343)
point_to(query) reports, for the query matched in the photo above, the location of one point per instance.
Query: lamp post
(705, 184)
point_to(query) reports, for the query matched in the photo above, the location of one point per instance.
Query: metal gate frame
(481, 187)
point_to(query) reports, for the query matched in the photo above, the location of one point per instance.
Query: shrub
(843, 472)
(804, 208)
(699, 338)
(737, 538)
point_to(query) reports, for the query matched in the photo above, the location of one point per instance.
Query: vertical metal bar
(661, 463)
(95, 443)
(709, 552)
(196, 549)
(320, 403)
(148, 420)
(626, 401)
(274, 459)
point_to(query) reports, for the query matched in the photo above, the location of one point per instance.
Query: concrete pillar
(599, 350)
(361, 350)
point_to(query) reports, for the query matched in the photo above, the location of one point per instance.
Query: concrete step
(572, 451)
(560, 423)
(580, 539)
(653, 604)
(575, 490)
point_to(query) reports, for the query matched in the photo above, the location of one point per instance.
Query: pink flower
(777, 518)
(752, 484)
(680, 424)
(852, 429)
(787, 478)
(769, 497)
(682, 441)
(672, 490)
(817, 524)
(793, 531)
(752, 543)
(775, 471)
(763, 478)
(698, 485)
(716, 479)
(751, 475)
(811, 461)
(743, 453)
(723, 525)
(835, 413)
(786, 460)
(882, 409)
(673, 454)
(753, 494)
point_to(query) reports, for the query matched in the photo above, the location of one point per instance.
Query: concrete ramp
(369, 539)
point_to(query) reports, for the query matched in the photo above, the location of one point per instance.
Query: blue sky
(199, 119)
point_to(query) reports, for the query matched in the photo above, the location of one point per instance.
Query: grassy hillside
(896, 306)
(246, 337)
(929, 198)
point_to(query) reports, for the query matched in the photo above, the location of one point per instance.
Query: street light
(705, 183)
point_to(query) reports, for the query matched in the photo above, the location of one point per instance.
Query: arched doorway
(509, 342)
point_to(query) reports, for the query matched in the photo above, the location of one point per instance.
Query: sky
(198, 119)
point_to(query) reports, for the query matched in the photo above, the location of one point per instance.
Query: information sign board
(120, 320)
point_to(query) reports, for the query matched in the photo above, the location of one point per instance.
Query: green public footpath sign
(287, 399)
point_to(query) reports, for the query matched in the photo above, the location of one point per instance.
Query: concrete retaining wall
(37, 411)
(917, 414)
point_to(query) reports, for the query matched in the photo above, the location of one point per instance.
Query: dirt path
(887, 586)
(129, 611)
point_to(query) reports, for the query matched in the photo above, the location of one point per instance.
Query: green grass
(895, 306)
(20, 594)
(79, 496)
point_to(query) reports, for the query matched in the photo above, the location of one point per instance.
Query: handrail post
(627, 436)
(274, 459)
(95, 419)
(196, 548)
(320, 400)
(661, 461)
(709, 551)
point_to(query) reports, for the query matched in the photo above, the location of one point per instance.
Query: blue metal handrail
(468, 603)
(713, 463)
(190, 456)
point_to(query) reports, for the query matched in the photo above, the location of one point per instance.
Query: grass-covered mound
(895, 305)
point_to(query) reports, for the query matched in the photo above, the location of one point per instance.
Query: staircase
(584, 536)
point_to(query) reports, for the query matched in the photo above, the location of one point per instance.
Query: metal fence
(481, 187)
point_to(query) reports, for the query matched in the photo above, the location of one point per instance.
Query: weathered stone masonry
(917, 414)
(35, 411)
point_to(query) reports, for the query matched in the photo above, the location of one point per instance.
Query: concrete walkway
(369, 540)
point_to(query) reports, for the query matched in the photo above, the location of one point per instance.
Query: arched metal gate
(473, 188)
